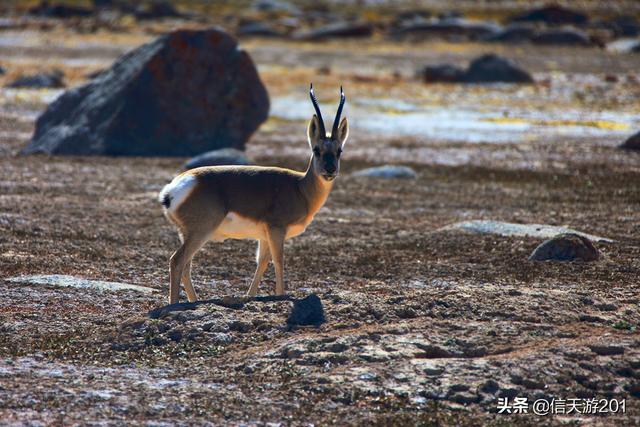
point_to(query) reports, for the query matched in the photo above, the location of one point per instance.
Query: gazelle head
(327, 148)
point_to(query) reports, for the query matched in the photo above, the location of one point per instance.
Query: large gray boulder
(185, 93)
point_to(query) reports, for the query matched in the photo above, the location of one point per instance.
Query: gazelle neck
(314, 188)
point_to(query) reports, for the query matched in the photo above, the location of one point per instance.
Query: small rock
(464, 398)
(240, 326)
(515, 33)
(430, 351)
(459, 387)
(260, 29)
(607, 350)
(433, 371)
(2, 71)
(307, 312)
(388, 172)
(509, 392)
(553, 15)
(633, 142)
(51, 80)
(157, 9)
(443, 73)
(565, 36)
(591, 319)
(492, 68)
(175, 335)
(490, 387)
(221, 157)
(337, 347)
(448, 28)
(566, 247)
(633, 389)
(338, 29)
(625, 26)
(46, 9)
(606, 307)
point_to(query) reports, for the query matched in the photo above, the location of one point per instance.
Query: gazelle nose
(330, 168)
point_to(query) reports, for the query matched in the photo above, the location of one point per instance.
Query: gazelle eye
(316, 151)
(339, 151)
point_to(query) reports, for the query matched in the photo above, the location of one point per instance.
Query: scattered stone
(591, 319)
(443, 73)
(607, 350)
(490, 387)
(606, 306)
(448, 28)
(388, 172)
(553, 15)
(48, 10)
(223, 156)
(157, 9)
(514, 33)
(632, 143)
(625, 26)
(175, 335)
(338, 29)
(433, 371)
(566, 247)
(52, 80)
(509, 392)
(564, 36)
(492, 68)
(260, 29)
(307, 312)
(485, 69)
(185, 93)
(240, 326)
(459, 387)
(430, 351)
(2, 70)
(541, 231)
(464, 398)
(276, 7)
(66, 281)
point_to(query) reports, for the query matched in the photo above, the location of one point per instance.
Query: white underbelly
(235, 226)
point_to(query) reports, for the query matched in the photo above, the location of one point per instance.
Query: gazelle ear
(343, 131)
(313, 131)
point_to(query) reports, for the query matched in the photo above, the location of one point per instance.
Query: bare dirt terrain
(423, 325)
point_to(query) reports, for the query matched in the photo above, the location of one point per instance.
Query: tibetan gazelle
(268, 204)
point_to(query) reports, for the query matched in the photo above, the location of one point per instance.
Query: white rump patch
(177, 190)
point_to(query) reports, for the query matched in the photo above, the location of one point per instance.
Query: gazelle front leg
(263, 258)
(276, 237)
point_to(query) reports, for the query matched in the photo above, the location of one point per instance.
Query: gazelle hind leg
(276, 247)
(188, 286)
(263, 258)
(179, 261)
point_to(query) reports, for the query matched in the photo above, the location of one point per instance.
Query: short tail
(175, 193)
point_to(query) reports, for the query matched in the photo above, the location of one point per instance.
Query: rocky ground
(424, 324)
